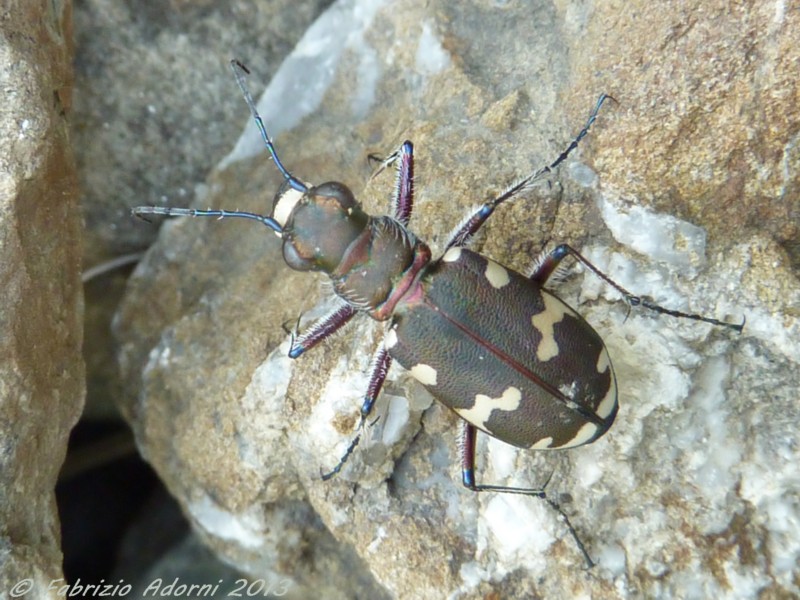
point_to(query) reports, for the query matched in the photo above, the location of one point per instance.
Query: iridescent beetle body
(550, 386)
(507, 355)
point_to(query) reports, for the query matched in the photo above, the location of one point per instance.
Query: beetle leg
(469, 434)
(546, 264)
(321, 329)
(380, 366)
(467, 443)
(471, 225)
(403, 196)
(555, 256)
(404, 183)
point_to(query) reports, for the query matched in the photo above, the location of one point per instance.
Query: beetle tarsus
(335, 471)
(589, 562)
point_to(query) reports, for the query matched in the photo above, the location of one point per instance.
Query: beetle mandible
(545, 382)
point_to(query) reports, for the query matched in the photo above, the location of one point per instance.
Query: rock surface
(153, 109)
(685, 190)
(41, 299)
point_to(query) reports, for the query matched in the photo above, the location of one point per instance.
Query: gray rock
(684, 191)
(41, 300)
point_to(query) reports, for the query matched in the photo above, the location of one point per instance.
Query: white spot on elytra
(609, 401)
(543, 444)
(285, 205)
(544, 322)
(603, 361)
(390, 339)
(584, 434)
(452, 255)
(425, 374)
(480, 412)
(496, 274)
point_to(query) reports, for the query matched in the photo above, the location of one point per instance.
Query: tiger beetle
(499, 349)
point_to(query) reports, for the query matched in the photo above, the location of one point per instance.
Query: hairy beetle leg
(403, 196)
(321, 329)
(404, 183)
(560, 252)
(380, 366)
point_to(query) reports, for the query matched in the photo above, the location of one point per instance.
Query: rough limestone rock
(686, 190)
(41, 297)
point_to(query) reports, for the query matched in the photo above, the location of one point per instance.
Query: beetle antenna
(240, 72)
(169, 211)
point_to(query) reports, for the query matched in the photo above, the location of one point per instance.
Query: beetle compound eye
(339, 193)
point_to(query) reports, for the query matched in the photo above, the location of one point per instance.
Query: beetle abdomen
(506, 355)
